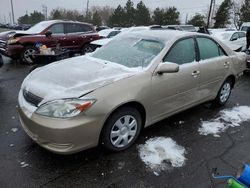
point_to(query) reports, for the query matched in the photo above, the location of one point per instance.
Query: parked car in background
(189, 28)
(245, 26)
(108, 34)
(72, 35)
(105, 36)
(237, 38)
(99, 28)
(136, 80)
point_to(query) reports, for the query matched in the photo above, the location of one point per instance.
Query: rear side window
(57, 29)
(209, 49)
(182, 52)
(77, 28)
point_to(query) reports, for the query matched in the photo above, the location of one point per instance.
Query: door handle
(195, 74)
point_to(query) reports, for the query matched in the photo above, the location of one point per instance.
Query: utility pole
(12, 10)
(186, 21)
(87, 11)
(209, 13)
(45, 11)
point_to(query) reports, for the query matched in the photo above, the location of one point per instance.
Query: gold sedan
(135, 80)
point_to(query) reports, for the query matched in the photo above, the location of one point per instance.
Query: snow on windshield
(38, 28)
(130, 51)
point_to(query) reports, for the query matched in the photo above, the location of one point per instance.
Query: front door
(174, 91)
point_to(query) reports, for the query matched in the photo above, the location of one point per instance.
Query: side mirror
(48, 33)
(167, 67)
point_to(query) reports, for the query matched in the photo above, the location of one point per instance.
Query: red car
(71, 35)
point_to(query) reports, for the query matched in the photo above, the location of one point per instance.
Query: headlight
(64, 108)
(13, 41)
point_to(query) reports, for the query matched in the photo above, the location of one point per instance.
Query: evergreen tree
(223, 14)
(158, 16)
(130, 13)
(245, 11)
(96, 19)
(23, 19)
(142, 15)
(197, 20)
(117, 19)
(171, 16)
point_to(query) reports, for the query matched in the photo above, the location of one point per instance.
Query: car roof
(165, 35)
(64, 21)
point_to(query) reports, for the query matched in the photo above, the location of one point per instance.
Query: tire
(27, 53)
(224, 93)
(121, 129)
(87, 48)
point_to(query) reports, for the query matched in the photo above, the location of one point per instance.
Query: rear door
(173, 91)
(214, 66)
(77, 35)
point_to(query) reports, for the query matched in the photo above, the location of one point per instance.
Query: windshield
(38, 28)
(130, 52)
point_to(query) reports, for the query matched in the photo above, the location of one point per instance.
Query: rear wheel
(121, 129)
(27, 54)
(224, 93)
(87, 48)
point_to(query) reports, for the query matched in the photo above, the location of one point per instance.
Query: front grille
(3, 44)
(31, 98)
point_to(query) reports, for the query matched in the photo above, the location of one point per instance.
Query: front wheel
(27, 54)
(224, 93)
(121, 129)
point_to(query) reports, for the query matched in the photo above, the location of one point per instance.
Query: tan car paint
(160, 95)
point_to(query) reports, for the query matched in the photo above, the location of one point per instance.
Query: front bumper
(62, 136)
(12, 51)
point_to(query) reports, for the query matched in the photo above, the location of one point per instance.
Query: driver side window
(182, 52)
(57, 29)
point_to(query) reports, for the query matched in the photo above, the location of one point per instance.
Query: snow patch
(227, 118)
(14, 130)
(162, 153)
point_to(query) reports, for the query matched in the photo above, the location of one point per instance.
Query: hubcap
(225, 92)
(27, 55)
(123, 131)
(88, 49)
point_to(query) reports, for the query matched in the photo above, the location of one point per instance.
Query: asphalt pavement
(25, 164)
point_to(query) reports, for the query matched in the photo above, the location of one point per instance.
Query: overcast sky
(21, 6)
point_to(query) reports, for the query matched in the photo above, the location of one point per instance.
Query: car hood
(73, 78)
(101, 42)
(13, 33)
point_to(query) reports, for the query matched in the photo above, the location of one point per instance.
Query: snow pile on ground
(162, 153)
(227, 118)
